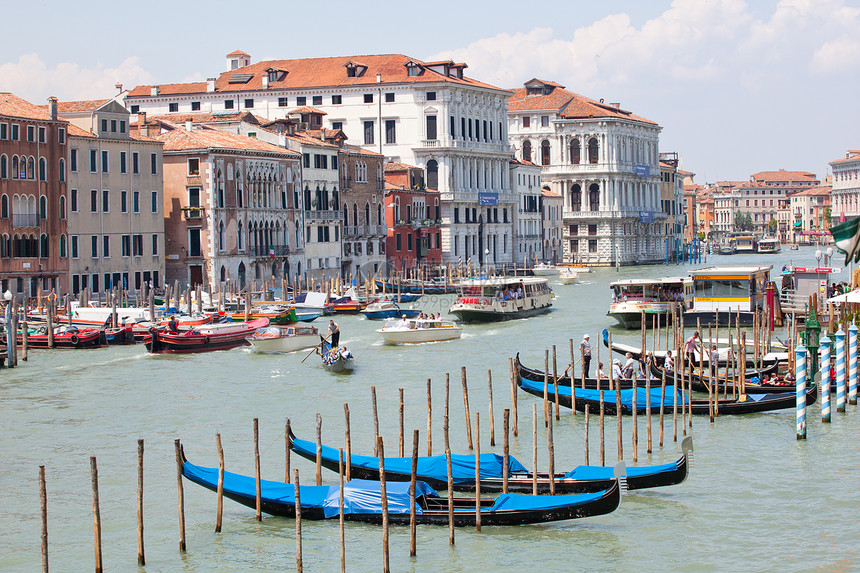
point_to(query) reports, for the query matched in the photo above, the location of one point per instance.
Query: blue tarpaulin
(364, 496)
(431, 467)
(524, 502)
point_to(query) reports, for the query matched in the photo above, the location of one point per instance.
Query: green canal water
(756, 499)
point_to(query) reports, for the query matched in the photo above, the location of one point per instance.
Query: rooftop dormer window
(412, 69)
(355, 70)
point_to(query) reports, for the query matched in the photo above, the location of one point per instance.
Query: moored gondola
(433, 471)
(752, 383)
(745, 404)
(363, 501)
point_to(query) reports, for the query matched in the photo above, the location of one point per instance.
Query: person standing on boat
(173, 325)
(585, 349)
(690, 349)
(334, 333)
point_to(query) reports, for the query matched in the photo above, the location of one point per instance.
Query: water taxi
(745, 241)
(416, 330)
(721, 294)
(634, 298)
(568, 277)
(769, 245)
(545, 269)
(501, 298)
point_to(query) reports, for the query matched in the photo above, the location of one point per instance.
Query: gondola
(433, 471)
(524, 372)
(363, 501)
(745, 404)
(338, 359)
(700, 384)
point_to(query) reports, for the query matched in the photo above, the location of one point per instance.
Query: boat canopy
(525, 502)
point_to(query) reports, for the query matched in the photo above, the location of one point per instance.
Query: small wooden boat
(746, 404)
(204, 338)
(338, 359)
(362, 501)
(64, 337)
(284, 338)
(416, 287)
(275, 315)
(345, 305)
(124, 334)
(699, 383)
(433, 470)
(417, 330)
(545, 270)
(568, 277)
(383, 309)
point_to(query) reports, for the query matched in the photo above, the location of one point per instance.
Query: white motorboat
(579, 268)
(568, 277)
(545, 269)
(417, 330)
(284, 338)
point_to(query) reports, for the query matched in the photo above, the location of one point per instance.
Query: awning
(853, 296)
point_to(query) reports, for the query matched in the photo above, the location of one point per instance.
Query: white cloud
(33, 80)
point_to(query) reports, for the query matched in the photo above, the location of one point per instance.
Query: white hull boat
(416, 331)
(284, 339)
(568, 277)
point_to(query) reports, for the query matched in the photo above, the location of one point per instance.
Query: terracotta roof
(568, 105)
(398, 166)
(307, 109)
(203, 117)
(13, 106)
(546, 193)
(783, 175)
(238, 53)
(852, 155)
(201, 138)
(305, 138)
(814, 191)
(357, 150)
(86, 105)
(76, 131)
(316, 72)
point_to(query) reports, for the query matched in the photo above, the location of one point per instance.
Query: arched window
(307, 198)
(15, 167)
(62, 246)
(576, 197)
(61, 172)
(334, 198)
(346, 215)
(240, 191)
(62, 207)
(43, 169)
(592, 150)
(43, 207)
(575, 152)
(31, 168)
(221, 236)
(43, 251)
(4, 207)
(355, 214)
(4, 167)
(219, 178)
(527, 150)
(367, 214)
(594, 197)
(223, 274)
(239, 237)
(379, 219)
(433, 174)
(544, 152)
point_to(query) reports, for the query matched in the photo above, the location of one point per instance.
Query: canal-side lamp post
(813, 336)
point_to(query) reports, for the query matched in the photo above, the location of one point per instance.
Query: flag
(847, 237)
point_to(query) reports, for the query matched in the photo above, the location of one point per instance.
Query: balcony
(320, 215)
(193, 213)
(25, 220)
(265, 251)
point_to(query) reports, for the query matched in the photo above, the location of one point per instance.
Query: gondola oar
(314, 349)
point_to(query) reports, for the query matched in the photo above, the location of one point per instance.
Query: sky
(737, 86)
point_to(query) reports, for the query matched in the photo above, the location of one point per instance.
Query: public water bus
(501, 298)
(745, 241)
(634, 298)
(769, 245)
(724, 293)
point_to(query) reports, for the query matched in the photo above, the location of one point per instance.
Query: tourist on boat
(616, 369)
(173, 325)
(585, 349)
(334, 332)
(690, 348)
(668, 362)
(714, 359)
(600, 373)
(629, 366)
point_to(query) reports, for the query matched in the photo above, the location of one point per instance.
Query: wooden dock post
(602, 430)
(492, 421)
(634, 412)
(220, 503)
(384, 495)
(662, 405)
(287, 451)
(506, 452)
(400, 450)
(429, 421)
(259, 504)
(348, 440)
(513, 395)
(450, 469)
(43, 511)
(318, 474)
(25, 337)
(586, 433)
(466, 406)
(555, 381)
(648, 410)
(375, 419)
(412, 496)
(619, 427)
(534, 450)
(298, 494)
(97, 520)
(141, 559)
(477, 471)
(340, 513)
(179, 487)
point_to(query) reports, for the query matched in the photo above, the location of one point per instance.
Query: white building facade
(845, 197)
(428, 114)
(603, 161)
(526, 185)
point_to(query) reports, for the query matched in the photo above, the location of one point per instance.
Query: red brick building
(413, 217)
(34, 247)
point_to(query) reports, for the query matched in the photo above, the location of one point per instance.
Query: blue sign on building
(486, 199)
(643, 170)
(646, 216)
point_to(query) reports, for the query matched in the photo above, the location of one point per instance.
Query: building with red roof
(413, 216)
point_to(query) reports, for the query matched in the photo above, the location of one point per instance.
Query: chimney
(282, 140)
(118, 87)
(615, 105)
(52, 107)
(189, 125)
(143, 128)
(153, 91)
(210, 85)
(265, 78)
(141, 118)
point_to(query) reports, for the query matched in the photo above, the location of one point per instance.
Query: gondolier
(585, 349)
(334, 333)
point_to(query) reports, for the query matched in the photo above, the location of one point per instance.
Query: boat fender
(206, 340)
(73, 339)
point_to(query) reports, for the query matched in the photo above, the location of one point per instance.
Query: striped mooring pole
(800, 376)
(840, 371)
(825, 379)
(852, 364)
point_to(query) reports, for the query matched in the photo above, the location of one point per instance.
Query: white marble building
(845, 196)
(526, 185)
(604, 161)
